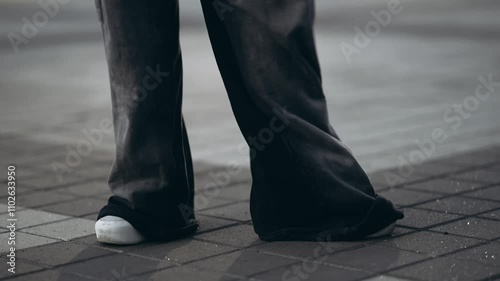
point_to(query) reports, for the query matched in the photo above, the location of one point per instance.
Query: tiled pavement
(451, 230)
(393, 94)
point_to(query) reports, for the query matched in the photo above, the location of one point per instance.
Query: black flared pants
(306, 183)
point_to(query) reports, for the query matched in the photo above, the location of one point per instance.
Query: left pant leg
(151, 178)
(305, 180)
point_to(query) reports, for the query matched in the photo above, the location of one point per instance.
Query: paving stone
(488, 254)
(20, 268)
(424, 218)
(458, 205)
(30, 217)
(88, 188)
(238, 192)
(40, 198)
(490, 175)
(24, 174)
(239, 236)
(238, 211)
(64, 230)
(385, 278)
(61, 253)
(50, 180)
(305, 249)
(398, 231)
(100, 172)
(90, 217)
(4, 208)
(180, 251)
(446, 269)
(311, 272)
(76, 208)
(24, 240)
(243, 263)
(432, 244)
(473, 227)
(4, 192)
(391, 178)
(204, 201)
(222, 177)
(374, 258)
(444, 185)
(185, 274)
(439, 168)
(476, 158)
(50, 275)
(494, 215)
(115, 267)
(210, 223)
(91, 240)
(492, 193)
(403, 197)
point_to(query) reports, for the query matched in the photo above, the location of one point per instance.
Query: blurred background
(410, 77)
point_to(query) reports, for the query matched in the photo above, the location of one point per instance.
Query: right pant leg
(152, 174)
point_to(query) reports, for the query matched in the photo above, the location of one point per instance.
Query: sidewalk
(451, 230)
(386, 103)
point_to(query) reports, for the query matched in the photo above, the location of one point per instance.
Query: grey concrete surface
(395, 93)
(391, 95)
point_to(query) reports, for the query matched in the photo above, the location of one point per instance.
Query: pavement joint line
(445, 196)
(176, 264)
(431, 258)
(453, 213)
(479, 198)
(259, 242)
(26, 273)
(240, 277)
(43, 236)
(464, 169)
(45, 223)
(50, 267)
(462, 217)
(459, 194)
(462, 235)
(218, 217)
(64, 185)
(217, 228)
(487, 218)
(233, 202)
(233, 184)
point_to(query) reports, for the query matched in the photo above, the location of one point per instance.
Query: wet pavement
(451, 230)
(407, 103)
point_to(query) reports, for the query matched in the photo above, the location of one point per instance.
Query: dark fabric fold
(305, 181)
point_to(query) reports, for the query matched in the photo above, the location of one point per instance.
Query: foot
(115, 230)
(384, 231)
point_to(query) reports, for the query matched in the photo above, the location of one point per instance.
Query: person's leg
(152, 173)
(306, 183)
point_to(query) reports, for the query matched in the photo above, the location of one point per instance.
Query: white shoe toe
(115, 230)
